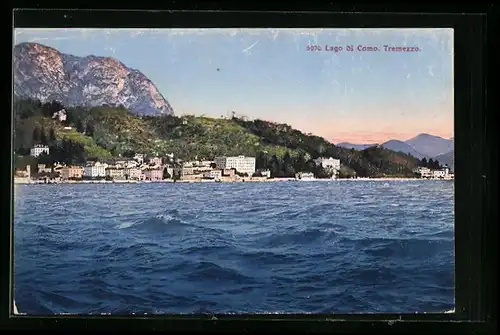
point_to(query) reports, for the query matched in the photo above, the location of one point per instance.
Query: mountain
(348, 145)
(430, 145)
(400, 146)
(447, 159)
(44, 73)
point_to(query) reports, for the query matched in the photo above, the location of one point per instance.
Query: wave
(158, 223)
(269, 257)
(208, 249)
(400, 248)
(299, 237)
(209, 271)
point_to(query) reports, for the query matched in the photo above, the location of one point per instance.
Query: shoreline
(33, 182)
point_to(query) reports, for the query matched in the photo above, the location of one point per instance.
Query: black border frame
(475, 183)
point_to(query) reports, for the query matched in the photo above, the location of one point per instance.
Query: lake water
(315, 247)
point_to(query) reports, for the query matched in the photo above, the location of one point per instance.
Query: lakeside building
(42, 168)
(131, 164)
(69, 172)
(170, 170)
(95, 170)
(38, 149)
(266, 173)
(424, 172)
(441, 173)
(153, 174)
(205, 163)
(23, 173)
(214, 174)
(242, 164)
(228, 172)
(331, 164)
(115, 172)
(120, 164)
(427, 173)
(155, 161)
(304, 176)
(184, 171)
(139, 158)
(132, 173)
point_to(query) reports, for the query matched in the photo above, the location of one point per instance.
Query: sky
(346, 96)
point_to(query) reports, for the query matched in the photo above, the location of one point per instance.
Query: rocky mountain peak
(44, 73)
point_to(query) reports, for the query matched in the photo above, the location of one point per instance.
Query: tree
(89, 130)
(79, 126)
(166, 175)
(43, 136)
(55, 106)
(287, 167)
(23, 151)
(431, 164)
(36, 135)
(23, 162)
(43, 158)
(68, 152)
(261, 161)
(52, 135)
(275, 166)
(128, 154)
(424, 162)
(177, 175)
(299, 163)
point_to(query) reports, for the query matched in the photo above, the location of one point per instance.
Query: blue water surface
(313, 247)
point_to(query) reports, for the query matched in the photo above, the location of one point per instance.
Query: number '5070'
(313, 48)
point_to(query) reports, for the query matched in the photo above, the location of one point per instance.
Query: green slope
(116, 131)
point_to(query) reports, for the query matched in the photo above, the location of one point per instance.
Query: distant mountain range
(348, 145)
(430, 145)
(447, 159)
(44, 73)
(421, 146)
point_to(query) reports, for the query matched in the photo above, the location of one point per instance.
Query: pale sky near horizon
(357, 97)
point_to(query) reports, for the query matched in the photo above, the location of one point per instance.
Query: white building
(139, 158)
(206, 163)
(442, 173)
(328, 163)
(38, 149)
(114, 172)
(304, 176)
(155, 161)
(424, 172)
(266, 173)
(170, 171)
(131, 164)
(42, 168)
(242, 164)
(95, 170)
(60, 115)
(215, 174)
(133, 173)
